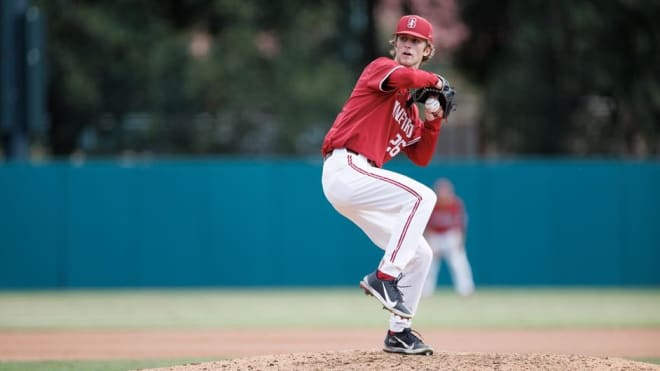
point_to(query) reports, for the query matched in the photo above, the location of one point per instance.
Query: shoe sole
(369, 291)
(415, 352)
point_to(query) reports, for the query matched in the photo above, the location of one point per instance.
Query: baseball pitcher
(380, 120)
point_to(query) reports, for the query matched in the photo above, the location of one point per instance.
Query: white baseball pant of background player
(448, 246)
(392, 210)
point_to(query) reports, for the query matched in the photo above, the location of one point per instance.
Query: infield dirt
(335, 349)
(378, 360)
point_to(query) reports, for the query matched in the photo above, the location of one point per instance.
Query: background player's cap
(416, 26)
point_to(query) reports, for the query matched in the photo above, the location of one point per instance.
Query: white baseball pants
(392, 210)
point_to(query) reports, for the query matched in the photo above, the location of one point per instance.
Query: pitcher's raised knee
(429, 198)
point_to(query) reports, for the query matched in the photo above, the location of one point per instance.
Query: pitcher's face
(410, 50)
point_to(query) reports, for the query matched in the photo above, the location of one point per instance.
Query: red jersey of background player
(448, 213)
(379, 126)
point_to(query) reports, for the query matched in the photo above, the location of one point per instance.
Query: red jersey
(447, 215)
(378, 122)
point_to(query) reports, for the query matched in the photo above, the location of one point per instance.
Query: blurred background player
(445, 233)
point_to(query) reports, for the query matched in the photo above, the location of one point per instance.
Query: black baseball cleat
(406, 342)
(387, 292)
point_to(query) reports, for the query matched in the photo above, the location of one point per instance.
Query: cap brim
(416, 34)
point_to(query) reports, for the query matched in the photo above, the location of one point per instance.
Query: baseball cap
(415, 25)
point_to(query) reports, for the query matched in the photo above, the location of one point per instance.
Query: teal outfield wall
(266, 223)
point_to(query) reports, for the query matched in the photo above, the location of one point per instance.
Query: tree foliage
(566, 77)
(193, 76)
(257, 76)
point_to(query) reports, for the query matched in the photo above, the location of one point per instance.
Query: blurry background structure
(201, 77)
(138, 135)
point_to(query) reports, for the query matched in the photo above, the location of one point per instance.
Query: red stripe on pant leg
(405, 229)
(404, 187)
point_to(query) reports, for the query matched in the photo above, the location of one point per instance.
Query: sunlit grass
(310, 308)
(325, 308)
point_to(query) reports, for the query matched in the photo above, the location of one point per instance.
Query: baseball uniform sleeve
(409, 78)
(386, 75)
(421, 152)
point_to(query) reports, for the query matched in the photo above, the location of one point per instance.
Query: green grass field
(310, 308)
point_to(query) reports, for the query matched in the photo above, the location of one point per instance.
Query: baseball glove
(445, 96)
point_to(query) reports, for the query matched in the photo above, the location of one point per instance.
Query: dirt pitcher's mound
(379, 360)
